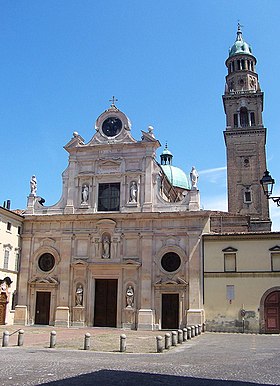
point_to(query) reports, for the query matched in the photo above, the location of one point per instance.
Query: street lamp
(267, 183)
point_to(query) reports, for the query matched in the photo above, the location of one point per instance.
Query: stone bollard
(122, 343)
(196, 330)
(189, 333)
(167, 341)
(203, 327)
(174, 338)
(53, 339)
(199, 329)
(180, 336)
(159, 344)
(20, 338)
(87, 341)
(193, 331)
(5, 342)
(185, 334)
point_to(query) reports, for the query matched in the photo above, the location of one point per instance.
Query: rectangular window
(275, 261)
(247, 196)
(17, 261)
(230, 292)
(19, 230)
(6, 259)
(109, 197)
(230, 262)
(235, 120)
(9, 226)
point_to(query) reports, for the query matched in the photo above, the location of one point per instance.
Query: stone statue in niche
(33, 185)
(79, 295)
(129, 297)
(85, 194)
(106, 248)
(194, 178)
(133, 192)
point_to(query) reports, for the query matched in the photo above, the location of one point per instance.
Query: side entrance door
(272, 312)
(3, 306)
(170, 311)
(105, 307)
(42, 311)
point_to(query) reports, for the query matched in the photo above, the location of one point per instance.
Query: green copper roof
(240, 46)
(176, 176)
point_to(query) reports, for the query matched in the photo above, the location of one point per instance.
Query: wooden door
(272, 312)
(42, 311)
(3, 306)
(170, 311)
(105, 308)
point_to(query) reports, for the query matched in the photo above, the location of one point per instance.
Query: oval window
(46, 262)
(170, 262)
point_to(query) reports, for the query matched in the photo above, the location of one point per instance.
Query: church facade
(124, 245)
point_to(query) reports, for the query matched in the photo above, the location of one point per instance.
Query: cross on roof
(113, 100)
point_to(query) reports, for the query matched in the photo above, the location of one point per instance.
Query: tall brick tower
(245, 136)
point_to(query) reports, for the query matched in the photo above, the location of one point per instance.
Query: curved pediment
(44, 280)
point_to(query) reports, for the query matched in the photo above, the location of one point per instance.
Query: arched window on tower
(252, 119)
(244, 119)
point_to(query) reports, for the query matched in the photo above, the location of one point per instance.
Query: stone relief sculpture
(33, 185)
(129, 297)
(79, 295)
(194, 178)
(106, 248)
(133, 192)
(85, 194)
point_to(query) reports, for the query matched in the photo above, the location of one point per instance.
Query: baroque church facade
(123, 247)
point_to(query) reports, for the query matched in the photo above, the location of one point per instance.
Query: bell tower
(245, 136)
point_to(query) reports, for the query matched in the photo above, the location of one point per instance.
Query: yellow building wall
(252, 279)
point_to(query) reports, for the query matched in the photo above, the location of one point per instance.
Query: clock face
(112, 126)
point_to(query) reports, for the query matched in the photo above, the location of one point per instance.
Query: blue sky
(62, 60)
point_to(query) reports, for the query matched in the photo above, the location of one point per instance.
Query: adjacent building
(10, 247)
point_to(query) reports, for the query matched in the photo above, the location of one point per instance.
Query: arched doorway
(272, 312)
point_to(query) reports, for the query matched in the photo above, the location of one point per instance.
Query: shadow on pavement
(128, 378)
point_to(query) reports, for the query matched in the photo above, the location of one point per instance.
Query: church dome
(176, 176)
(240, 46)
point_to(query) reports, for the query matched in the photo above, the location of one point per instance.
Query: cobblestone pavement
(210, 359)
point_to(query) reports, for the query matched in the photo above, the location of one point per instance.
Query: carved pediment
(173, 281)
(276, 248)
(229, 249)
(44, 280)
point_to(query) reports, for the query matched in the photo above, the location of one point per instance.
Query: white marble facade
(119, 227)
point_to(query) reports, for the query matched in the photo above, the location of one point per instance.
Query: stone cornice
(242, 236)
(241, 274)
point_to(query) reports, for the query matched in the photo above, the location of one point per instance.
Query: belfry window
(235, 120)
(244, 119)
(252, 119)
(109, 197)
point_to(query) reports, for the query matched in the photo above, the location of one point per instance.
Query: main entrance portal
(170, 311)
(42, 311)
(105, 307)
(272, 312)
